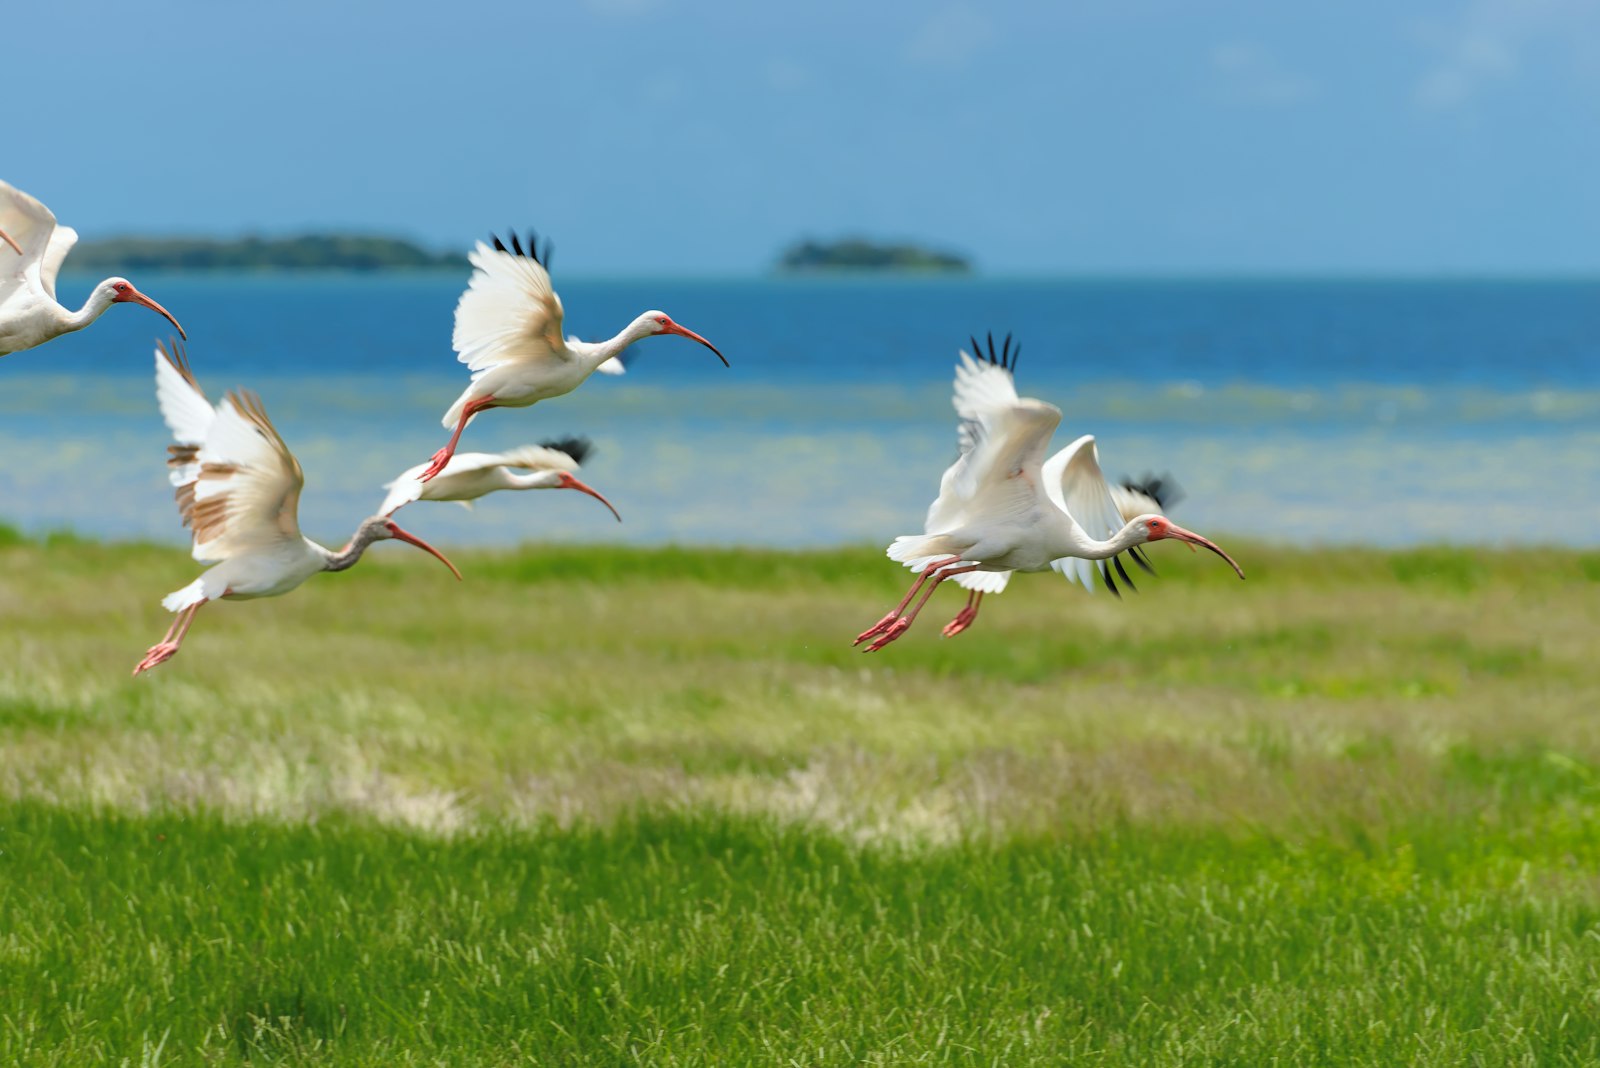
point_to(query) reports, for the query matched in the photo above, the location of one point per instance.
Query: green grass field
(623, 806)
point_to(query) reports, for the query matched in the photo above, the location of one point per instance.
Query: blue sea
(1382, 412)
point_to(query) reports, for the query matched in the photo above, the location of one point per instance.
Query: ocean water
(1386, 412)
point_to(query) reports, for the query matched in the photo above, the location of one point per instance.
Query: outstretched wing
(1076, 485)
(61, 243)
(999, 477)
(30, 224)
(187, 412)
(247, 495)
(1152, 494)
(983, 383)
(238, 485)
(980, 385)
(565, 454)
(509, 313)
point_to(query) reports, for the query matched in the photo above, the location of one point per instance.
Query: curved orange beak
(1175, 531)
(568, 482)
(674, 328)
(8, 239)
(133, 296)
(412, 539)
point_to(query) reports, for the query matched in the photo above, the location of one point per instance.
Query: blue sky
(661, 135)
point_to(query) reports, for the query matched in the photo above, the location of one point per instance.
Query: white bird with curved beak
(238, 488)
(470, 475)
(508, 333)
(981, 384)
(30, 315)
(1002, 507)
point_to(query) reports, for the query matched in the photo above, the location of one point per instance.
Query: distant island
(859, 254)
(307, 252)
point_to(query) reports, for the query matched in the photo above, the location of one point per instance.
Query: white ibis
(982, 384)
(508, 333)
(470, 475)
(1003, 507)
(30, 315)
(238, 488)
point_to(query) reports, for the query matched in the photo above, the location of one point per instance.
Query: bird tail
(917, 551)
(402, 491)
(453, 416)
(984, 581)
(188, 597)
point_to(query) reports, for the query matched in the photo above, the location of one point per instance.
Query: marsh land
(616, 806)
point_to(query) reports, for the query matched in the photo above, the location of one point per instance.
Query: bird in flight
(508, 333)
(238, 489)
(1003, 507)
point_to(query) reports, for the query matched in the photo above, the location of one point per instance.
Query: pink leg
(167, 647)
(903, 624)
(965, 617)
(883, 624)
(442, 457)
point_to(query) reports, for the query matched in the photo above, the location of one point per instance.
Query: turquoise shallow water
(1377, 412)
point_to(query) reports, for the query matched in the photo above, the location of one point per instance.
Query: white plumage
(470, 475)
(30, 315)
(1003, 507)
(508, 333)
(238, 490)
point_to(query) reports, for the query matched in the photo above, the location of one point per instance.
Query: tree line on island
(370, 252)
(860, 254)
(305, 252)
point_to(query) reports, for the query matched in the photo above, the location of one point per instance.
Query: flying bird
(30, 315)
(1003, 507)
(989, 380)
(238, 489)
(470, 475)
(508, 333)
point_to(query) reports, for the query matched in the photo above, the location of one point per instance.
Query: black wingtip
(532, 252)
(1003, 356)
(1163, 489)
(1117, 560)
(1105, 575)
(1139, 558)
(579, 448)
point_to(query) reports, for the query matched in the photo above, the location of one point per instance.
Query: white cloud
(1250, 74)
(951, 37)
(1485, 45)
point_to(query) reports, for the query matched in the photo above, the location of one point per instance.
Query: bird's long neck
(346, 558)
(599, 352)
(1082, 545)
(534, 480)
(92, 309)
